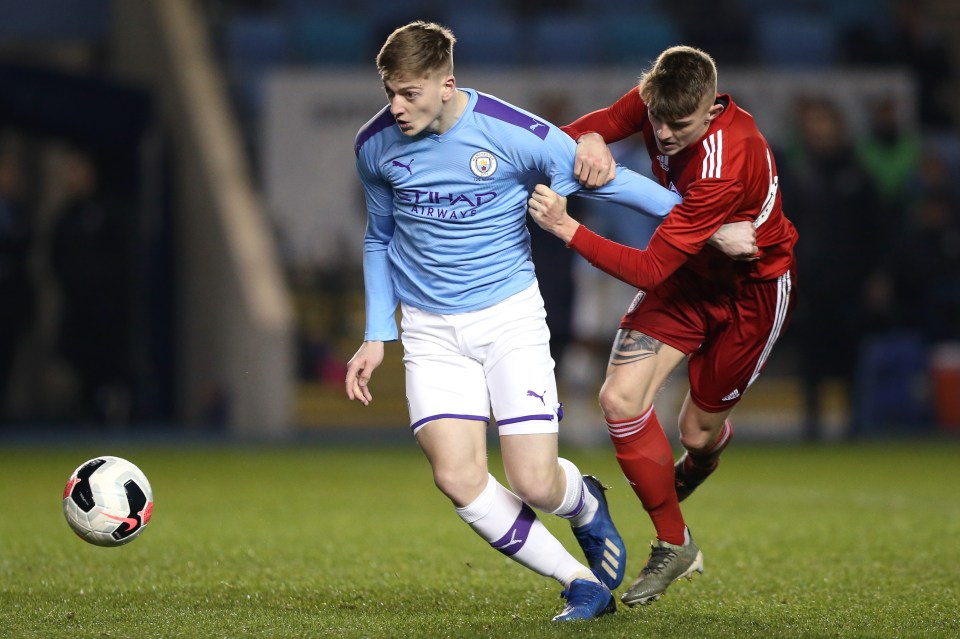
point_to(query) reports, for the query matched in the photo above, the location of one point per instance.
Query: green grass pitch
(351, 542)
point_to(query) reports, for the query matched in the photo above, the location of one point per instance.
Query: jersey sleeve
(555, 160)
(615, 122)
(379, 294)
(704, 209)
(707, 205)
(553, 157)
(641, 268)
(636, 192)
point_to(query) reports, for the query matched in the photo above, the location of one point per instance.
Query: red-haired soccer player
(723, 316)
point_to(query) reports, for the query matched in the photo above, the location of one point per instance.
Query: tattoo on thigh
(633, 346)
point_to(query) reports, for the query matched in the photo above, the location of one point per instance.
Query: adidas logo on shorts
(732, 396)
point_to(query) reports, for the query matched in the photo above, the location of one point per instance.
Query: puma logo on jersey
(404, 166)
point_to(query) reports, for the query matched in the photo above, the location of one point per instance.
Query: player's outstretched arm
(593, 164)
(549, 211)
(641, 268)
(360, 369)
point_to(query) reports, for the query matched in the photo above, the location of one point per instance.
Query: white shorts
(462, 366)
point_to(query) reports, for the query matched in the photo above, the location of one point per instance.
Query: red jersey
(729, 175)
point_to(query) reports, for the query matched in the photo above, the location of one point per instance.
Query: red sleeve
(683, 233)
(615, 122)
(707, 205)
(641, 268)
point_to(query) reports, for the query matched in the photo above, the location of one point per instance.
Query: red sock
(646, 459)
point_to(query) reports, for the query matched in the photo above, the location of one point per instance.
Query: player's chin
(669, 149)
(408, 129)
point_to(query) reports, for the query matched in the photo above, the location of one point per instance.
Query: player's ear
(449, 87)
(714, 112)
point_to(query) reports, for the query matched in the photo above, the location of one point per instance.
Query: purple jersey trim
(371, 128)
(516, 537)
(496, 109)
(525, 418)
(423, 421)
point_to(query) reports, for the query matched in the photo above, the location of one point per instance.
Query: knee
(461, 484)
(700, 438)
(617, 404)
(697, 442)
(537, 488)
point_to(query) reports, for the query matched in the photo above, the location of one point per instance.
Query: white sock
(578, 505)
(511, 526)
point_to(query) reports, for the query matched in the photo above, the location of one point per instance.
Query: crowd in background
(65, 266)
(878, 212)
(877, 261)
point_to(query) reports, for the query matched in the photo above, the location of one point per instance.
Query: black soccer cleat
(685, 483)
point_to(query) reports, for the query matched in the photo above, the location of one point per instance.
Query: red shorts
(727, 334)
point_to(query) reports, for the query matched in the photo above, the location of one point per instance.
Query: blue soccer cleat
(601, 543)
(586, 600)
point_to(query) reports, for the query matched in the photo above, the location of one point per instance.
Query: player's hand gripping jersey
(728, 176)
(446, 226)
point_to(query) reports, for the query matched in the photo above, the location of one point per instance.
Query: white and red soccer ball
(108, 501)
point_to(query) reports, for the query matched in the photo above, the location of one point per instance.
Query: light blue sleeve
(557, 156)
(630, 189)
(379, 294)
(636, 192)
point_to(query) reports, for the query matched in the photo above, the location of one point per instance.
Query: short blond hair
(679, 82)
(417, 50)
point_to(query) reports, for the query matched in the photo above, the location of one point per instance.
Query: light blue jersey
(446, 214)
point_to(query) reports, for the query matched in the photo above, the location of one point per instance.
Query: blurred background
(181, 222)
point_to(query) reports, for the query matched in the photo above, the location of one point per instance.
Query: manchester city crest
(483, 164)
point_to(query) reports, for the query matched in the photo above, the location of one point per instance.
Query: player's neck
(452, 111)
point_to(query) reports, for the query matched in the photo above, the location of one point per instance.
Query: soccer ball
(108, 501)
